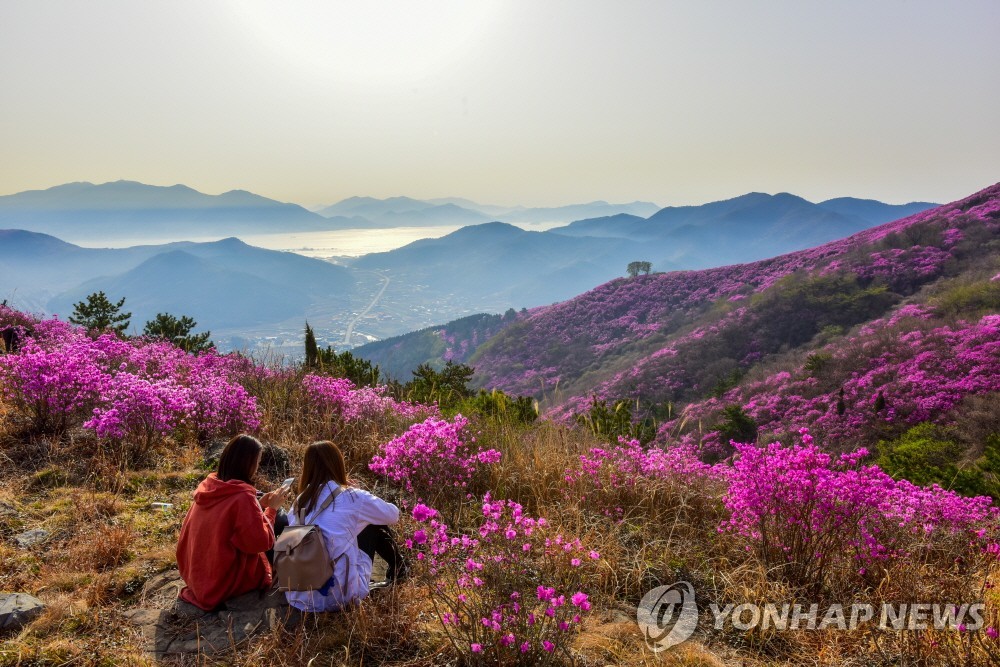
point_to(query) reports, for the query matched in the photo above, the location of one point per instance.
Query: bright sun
(368, 42)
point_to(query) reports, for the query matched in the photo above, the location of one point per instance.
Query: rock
(30, 538)
(274, 461)
(171, 626)
(213, 452)
(18, 609)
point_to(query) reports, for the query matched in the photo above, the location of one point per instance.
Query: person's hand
(275, 499)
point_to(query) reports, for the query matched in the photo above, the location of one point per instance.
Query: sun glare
(368, 42)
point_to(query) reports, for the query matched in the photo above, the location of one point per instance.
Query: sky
(535, 102)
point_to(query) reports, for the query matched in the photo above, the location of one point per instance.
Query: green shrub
(926, 454)
(736, 425)
(615, 421)
(499, 406)
(969, 299)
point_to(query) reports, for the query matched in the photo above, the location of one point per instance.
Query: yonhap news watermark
(668, 615)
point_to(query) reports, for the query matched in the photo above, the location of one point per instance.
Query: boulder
(274, 461)
(30, 538)
(18, 609)
(172, 627)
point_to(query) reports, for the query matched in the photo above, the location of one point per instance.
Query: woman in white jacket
(354, 526)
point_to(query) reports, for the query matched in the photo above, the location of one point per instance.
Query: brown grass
(106, 542)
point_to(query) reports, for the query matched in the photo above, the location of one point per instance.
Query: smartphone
(287, 484)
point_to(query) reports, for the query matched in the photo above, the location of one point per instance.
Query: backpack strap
(326, 503)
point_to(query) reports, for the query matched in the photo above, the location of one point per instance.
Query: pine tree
(178, 332)
(98, 314)
(312, 350)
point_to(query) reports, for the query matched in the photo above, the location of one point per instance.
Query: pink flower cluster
(813, 517)
(629, 465)
(123, 389)
(921, 370)
(434, 457)
(511, 591)
(340, 398)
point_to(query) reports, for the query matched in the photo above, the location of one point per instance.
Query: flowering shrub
(55, 387)
(628, 478)
(127, 391)
(140, 408)
(434, 459)
(339, 399)
(814, 520)
(511, 593)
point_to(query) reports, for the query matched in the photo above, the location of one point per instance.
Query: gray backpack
(301, 559)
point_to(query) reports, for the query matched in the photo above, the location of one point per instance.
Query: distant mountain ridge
(751, 226)
(223, 284)
(400, 211)
(500, 264)
(107, 208)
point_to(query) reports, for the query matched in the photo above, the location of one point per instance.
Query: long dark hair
(239, 459)
(323, 462)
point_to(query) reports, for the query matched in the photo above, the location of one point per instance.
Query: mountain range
(752, 226)
(223, 285)
(80, 210)
(487, 266)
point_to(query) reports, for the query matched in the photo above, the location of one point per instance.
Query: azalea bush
(436, 460)
(815, 520)
(511, 592)
(648, 484)
(333, 399)
(128, 392)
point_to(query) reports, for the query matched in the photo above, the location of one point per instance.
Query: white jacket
(350, 513)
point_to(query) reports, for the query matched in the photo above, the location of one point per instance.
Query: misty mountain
(402, 212)
(223, 284)
(370, 207)
(35, 267)
(746, 228)
(80, 210)
(405, 211)
(178, 282)
(502, 265)
(874, 211)
(579, 211)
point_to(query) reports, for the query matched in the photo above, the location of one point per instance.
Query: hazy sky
(535, 102)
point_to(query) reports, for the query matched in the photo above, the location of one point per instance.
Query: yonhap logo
(667, 615)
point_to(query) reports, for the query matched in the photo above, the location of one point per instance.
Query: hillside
(529, 542)
(457, 341)
(669, 340)
(676, 337)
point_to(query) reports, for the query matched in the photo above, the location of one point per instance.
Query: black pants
(379, 540)
(280, 523)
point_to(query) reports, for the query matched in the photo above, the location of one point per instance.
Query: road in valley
(357, 318)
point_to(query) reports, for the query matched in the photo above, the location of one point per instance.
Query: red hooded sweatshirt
(220, 553)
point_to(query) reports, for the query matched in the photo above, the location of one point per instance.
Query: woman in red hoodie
(220, 553)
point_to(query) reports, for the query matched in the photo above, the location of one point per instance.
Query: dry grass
(105, 542)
